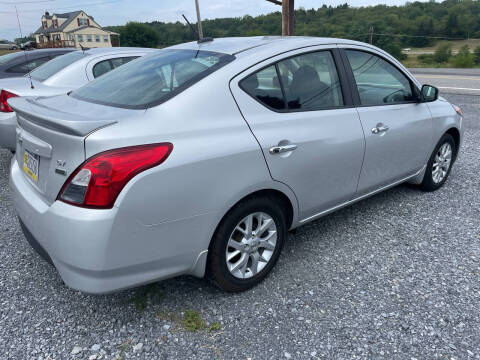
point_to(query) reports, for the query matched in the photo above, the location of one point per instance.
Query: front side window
(152, 79)
(50, 68)
(105, 38)
(304, 82)
(378, 81)
(97, 38)
(80, 38)
(89, 38)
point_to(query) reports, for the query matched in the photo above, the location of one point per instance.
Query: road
(395, 276)
(453, 81)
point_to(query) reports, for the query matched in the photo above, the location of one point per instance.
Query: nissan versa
(198, 159)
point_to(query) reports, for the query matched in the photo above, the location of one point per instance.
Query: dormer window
(83, 22)
(55, 23)
(44, 24)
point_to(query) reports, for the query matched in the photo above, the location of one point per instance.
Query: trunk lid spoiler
(39, 113)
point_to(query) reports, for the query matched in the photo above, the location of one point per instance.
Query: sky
(118, 12)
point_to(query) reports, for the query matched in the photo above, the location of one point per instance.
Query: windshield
(50, 68)
(153, 79)
(6, 58)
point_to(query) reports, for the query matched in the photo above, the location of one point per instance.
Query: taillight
(4, 96)
(98, 181)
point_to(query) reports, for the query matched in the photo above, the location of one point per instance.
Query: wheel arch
(455, 133)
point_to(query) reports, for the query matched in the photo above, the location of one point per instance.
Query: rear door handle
(282, 148)
(380, 128)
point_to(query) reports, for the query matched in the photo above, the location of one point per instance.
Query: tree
(138, 34)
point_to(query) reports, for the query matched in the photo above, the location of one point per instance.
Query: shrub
(463, 59)
(476, 55)
(443, 53)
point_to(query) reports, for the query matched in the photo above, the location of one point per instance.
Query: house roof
(90, 26)
(70, 16)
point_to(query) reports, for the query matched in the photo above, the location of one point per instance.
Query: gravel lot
(395, 276)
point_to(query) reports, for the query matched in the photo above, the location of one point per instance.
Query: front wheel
(439, 164)
(247, 244)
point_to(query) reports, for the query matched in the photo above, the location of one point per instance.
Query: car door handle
(282, 148)
(380, 128)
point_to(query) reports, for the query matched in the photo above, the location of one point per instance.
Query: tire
(263, 211)
(430, 182)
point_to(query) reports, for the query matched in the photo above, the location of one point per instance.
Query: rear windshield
(52, 67)
(152, 79)
(6, 58)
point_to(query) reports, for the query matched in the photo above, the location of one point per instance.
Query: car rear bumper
(8, 123)
(88, 250)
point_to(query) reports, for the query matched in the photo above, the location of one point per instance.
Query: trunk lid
(21, 86)
(51, 142)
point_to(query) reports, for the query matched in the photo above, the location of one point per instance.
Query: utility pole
(288, 13)
(199, 21)
(371, 34)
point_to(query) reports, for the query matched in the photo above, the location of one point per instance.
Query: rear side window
(378, 81)
(102, 68)
(152, 79)
(107, 65)
(304, 82)
(28, 66)
(122, 61)
(265, 87)
(53, 66)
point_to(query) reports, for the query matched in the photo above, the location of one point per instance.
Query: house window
(82, 22)
(55, 23)
(89, 38)
(97, 38)
(44, 24)
(56, 37)
(80, 38)
(105, 38)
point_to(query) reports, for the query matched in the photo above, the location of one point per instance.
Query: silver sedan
(199, 158)
(59, 76)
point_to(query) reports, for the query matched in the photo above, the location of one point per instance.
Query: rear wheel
(439, 164)
(247, 244)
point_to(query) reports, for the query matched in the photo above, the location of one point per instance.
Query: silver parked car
(199, 158)
(8, 45)
(59, 76)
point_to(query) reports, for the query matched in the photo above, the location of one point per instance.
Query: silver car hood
(22, 86)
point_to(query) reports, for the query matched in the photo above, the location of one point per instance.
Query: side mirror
(429, 93)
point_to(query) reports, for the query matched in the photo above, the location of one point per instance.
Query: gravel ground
(395, 276)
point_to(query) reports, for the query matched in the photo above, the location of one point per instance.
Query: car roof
(236, 45)
(116, 50)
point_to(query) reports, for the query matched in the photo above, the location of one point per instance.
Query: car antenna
(191, 27)
(83, 49)
(24, 51)
(195, 33)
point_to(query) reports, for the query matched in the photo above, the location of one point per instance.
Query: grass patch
(192, 321)
(214, 327)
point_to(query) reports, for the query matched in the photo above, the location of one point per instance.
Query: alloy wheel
(442, 162)
(251, 245)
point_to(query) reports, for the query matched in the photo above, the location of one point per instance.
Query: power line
(417, 36)
(65, 7)
(24, 2)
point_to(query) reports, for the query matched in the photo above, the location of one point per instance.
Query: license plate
(30, 165)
